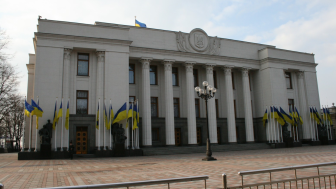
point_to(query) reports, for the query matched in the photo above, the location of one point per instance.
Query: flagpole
(36, 128)
(137, 130)
(68, 124)
(99, 126)
(29, 150)
(62, 125)
(132, 126)
(104, 123)
(297, 131)
(268, 131)
(110, 124)
(56, 126)
(24, 127)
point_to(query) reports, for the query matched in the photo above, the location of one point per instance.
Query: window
(176, 107)
(233, 86)
(131, 73)
(153, 75)
(154, 106)
(216, 102)
(195, 72)
(155, 134)
(131, 99)
(197, 108)
(291, 104)
(175, 76)
(82, 102)
(215, 79)
(83, 64)
(249, 76)
(288, 80)
(234, 104)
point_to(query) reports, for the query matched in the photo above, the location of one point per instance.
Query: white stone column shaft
(303, 109)
(146, 104)
(247, 106)
(211, 106)
(99, 94)
(191, 115)
(66, 90)
(170, 129)
(231, 120)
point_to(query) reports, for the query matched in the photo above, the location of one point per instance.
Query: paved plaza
(52, 173)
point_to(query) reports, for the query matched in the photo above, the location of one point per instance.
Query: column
(231, 122)
(66, 90)
(247, 106)
(190, 91)
(170, 129)
(303, 109)
(99, 94)
(211, 106)
(146, 108)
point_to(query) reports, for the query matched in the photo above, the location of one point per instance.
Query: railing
(139, 183)
(306, 182)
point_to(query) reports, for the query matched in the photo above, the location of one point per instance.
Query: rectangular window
(82, 99)
(154, 106)
(176, 107)
(288, 80)
(153, 75)
(155, 134)
(175, 76)
(249, 76)
(216, 102)
(291, 104)
(131, 73)
(195, 72)
(233, 83)
(235, 110)
(197, 107)
(215, 79)
(83, 64)
(131, 99)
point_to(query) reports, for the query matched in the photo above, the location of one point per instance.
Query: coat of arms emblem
(199, 40)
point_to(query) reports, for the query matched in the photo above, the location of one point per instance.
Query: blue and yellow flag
(279, 117)
(276, 113)
(111, 116)
(287, 117)
(105, 117)
(316, 116)
(60, 112)
(329, 118)
(135, 117)
(55, 120)
(97, 117)
(28, 108)
(37, 110)
(130, 113)
(311, 112)
(294, 121)
(265, 118)
(67, 115)
(139, 24)
(120, 115)
(272, 112)
(298, 116)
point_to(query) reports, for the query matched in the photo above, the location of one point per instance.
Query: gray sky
(302, 25)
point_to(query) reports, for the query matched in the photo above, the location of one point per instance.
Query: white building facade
(85, 63)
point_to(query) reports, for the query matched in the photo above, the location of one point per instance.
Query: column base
(209, 159)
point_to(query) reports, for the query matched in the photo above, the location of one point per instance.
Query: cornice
(289, 62)
(39, 35)
(193, 55)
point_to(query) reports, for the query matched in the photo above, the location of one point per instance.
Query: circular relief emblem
(198, 40)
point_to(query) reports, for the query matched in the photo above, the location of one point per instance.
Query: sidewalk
(80, 171)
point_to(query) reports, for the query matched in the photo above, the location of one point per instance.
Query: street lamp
(207, 93)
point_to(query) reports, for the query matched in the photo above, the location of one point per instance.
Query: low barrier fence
(317, 181)
(138, 183)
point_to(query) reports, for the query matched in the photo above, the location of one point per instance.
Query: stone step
(201, 149)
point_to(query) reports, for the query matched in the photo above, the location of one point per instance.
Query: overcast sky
(303, 25)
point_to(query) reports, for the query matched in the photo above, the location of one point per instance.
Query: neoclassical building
(160, 68)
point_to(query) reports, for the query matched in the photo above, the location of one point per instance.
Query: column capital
(145, 62)
(300, 74)
(189, 65)
(168, 64)
(209, 68)
(100, 56)
(67, 53)
(227, 69)
(245, 71)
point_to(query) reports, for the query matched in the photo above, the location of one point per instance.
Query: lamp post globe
(207, 93)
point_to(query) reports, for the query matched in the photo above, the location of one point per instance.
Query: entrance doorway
(81, 140)
(199, 135)
(177, 136)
